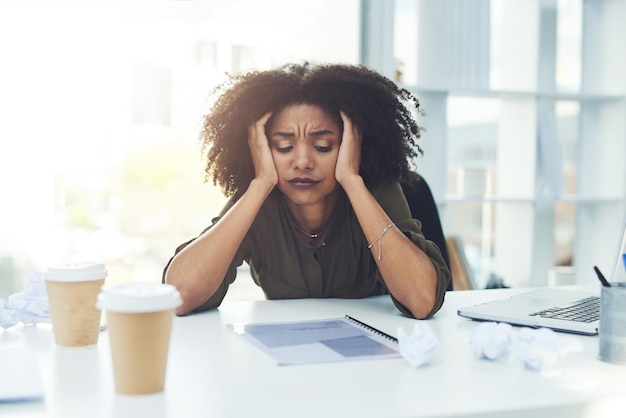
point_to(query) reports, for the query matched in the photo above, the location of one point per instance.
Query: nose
(303, 157)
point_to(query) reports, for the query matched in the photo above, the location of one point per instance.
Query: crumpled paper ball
(418, 347)
(491, 340)
(536, 348)
(29, 306)
(540, 348)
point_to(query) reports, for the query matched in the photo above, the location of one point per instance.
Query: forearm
(407, 271)
(198, 270)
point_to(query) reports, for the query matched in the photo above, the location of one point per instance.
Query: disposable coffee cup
(612, 332)
(72, 291)
(139, 322)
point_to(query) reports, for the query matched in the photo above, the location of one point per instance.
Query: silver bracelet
(379, 239)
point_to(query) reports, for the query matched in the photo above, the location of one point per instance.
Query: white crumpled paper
(540, 348)
(537, 349)
(29, 306)
(491, 340)
(419, 347)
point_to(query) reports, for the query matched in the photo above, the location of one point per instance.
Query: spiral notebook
(319, 340)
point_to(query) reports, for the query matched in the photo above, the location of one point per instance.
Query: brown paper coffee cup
(139, 348)
(75, 318)
(72, 292)
(139, 322)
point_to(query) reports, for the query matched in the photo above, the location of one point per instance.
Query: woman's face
(305, 143)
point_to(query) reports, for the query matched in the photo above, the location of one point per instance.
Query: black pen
(603, 280)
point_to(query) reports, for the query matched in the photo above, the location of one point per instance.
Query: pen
(603, 280)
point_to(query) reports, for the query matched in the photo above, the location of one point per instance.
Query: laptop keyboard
(583, 310)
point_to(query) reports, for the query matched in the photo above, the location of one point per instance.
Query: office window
(206, 55)
(243, 58)
(101, 105)
(524, 105)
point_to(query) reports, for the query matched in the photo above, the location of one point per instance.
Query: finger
(257, 128)
(349, 127)
(260, 124)
(347, 122)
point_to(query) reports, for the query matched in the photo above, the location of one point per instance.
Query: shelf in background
(530, 199)
(494, 93)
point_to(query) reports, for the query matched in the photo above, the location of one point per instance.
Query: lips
(302, 182)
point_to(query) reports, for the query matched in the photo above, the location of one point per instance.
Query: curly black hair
(384, 113)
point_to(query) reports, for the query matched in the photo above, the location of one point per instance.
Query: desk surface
(214, 372)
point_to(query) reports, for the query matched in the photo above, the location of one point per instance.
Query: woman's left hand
(349, 158)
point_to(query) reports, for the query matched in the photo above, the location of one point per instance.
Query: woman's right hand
(260, 152)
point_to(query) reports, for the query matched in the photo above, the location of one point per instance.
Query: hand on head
(260, 152)
(349, 159)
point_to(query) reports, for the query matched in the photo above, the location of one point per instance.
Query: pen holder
(612, 338)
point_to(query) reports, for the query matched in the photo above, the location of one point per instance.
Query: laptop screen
(619, 268)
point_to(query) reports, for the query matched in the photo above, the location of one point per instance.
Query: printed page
(20, 379)
(336, 339)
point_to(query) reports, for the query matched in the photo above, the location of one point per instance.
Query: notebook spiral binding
(371, 329)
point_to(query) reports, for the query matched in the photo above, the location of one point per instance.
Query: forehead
(302, 114)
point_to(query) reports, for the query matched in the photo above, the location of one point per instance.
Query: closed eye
(284, 149)
(323, 148)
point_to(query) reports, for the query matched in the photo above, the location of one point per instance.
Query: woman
(311, 157)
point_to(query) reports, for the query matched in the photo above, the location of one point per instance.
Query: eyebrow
(321, 132)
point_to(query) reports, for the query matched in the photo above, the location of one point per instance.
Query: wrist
(262, 186)
(351, 181)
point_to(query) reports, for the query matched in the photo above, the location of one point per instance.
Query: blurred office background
(101, 104)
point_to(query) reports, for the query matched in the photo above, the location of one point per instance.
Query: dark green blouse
(339, 266)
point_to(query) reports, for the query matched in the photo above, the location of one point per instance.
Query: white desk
(213, 372)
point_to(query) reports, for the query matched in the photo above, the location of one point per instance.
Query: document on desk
(317, 341)
(20, 379)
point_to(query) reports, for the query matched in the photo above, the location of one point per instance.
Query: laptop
(560, 309)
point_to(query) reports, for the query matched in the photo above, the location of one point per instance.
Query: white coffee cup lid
(76, 272)
(138, 297)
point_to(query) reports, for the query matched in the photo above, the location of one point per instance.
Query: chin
(301, 200)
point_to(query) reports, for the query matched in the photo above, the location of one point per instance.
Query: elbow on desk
(423, 310)
(192, 299)
(184, 308)
(425, 301)
(416, 307)
(180, 312)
